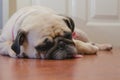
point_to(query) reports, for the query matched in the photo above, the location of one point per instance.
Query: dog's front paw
(106, 47)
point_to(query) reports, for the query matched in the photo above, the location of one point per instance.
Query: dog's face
(51, 39)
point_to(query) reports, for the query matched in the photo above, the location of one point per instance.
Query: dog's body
(31, 29)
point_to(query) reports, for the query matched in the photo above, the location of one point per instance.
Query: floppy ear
(70, 23)
(18, 42)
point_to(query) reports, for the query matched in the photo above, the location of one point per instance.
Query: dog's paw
(106, 47)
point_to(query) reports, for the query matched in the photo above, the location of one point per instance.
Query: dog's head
(50, 39)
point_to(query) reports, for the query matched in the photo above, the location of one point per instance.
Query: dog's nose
(61, 45)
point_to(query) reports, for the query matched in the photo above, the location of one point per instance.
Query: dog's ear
(18, 41)
(69, 22)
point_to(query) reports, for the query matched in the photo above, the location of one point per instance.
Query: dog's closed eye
(46, 45)
(68, 35)
(41, 47)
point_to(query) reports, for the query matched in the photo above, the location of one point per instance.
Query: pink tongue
(78, 56)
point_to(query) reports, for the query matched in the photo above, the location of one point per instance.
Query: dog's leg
(103, 47)
(82, 36)
(85, 48)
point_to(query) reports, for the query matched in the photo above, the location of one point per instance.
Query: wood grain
(103, 66)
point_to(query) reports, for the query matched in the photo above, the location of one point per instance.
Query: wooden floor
(103, 66)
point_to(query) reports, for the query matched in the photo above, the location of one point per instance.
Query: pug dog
(39, 32)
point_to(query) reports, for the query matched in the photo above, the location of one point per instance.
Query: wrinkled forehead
(39, 26)
(50, 25)
(40, 34)
(42, 22)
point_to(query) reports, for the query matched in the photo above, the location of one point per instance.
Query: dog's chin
(61, 54)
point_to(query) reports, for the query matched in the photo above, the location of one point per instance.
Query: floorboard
(103, 66)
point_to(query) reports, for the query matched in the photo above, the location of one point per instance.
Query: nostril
(61, 45)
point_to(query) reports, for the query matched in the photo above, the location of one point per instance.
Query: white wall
(5, 11)
(61, 6)
(100, 19)
(23, 3)
(0, 14)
